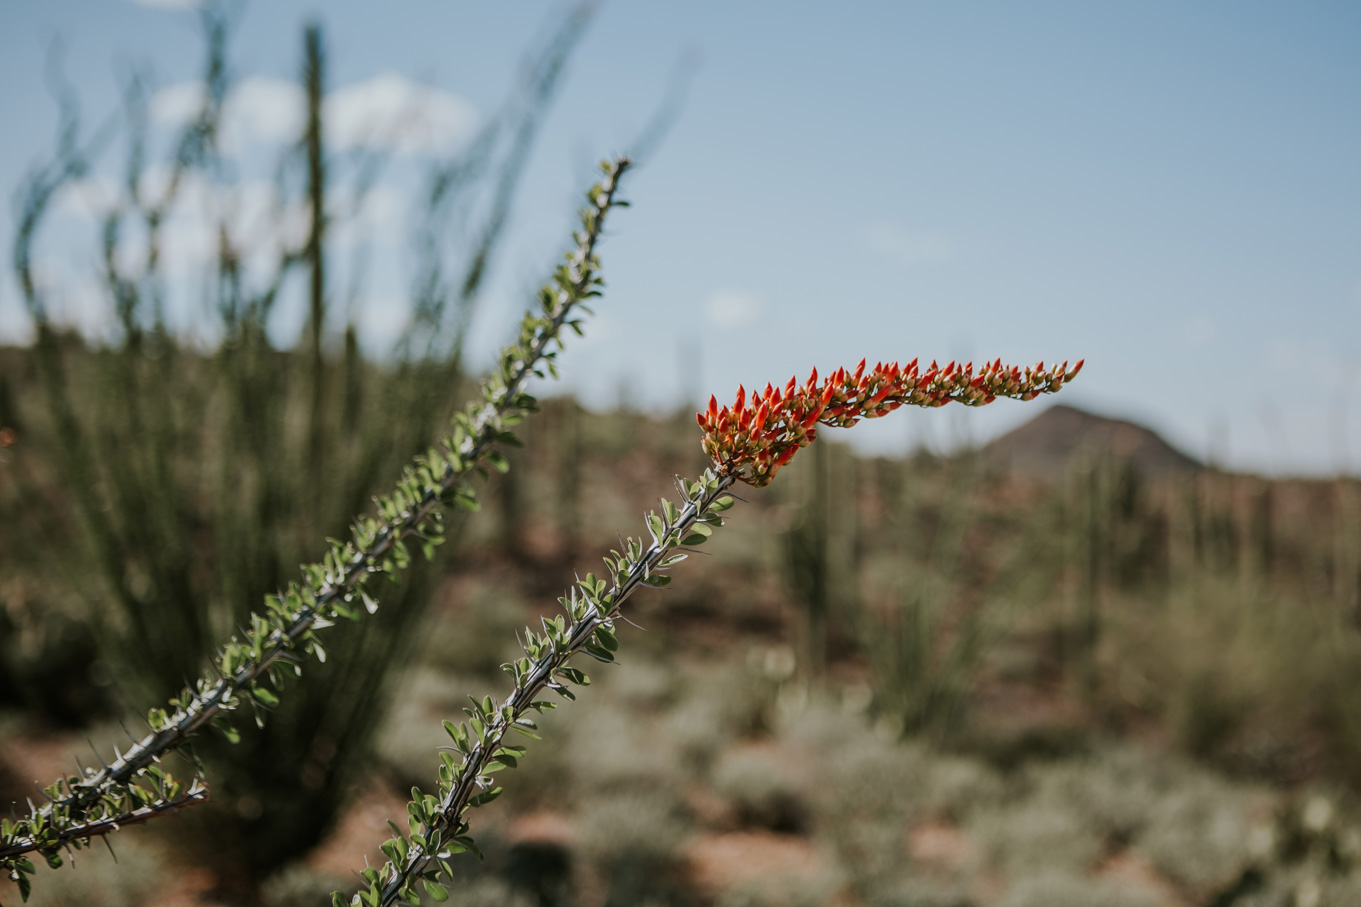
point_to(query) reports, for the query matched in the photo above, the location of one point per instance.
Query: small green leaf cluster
(63, 826)
(438, 828)
(252, 669)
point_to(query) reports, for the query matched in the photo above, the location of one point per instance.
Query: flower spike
(765, 432)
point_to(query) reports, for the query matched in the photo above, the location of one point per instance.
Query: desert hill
(1064, 436)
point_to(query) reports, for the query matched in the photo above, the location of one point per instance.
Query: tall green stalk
(252, 669)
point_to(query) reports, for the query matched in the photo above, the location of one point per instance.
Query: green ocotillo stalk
(97, 801)
(437, 827)
(747, 443)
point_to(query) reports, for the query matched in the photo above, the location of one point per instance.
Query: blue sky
(1169, 190)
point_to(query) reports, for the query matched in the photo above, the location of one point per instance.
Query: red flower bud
(761, 432)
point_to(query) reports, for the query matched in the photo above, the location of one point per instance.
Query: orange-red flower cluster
(754, 437)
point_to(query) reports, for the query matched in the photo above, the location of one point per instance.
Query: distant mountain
(1062, 437)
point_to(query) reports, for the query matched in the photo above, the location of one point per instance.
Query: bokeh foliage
(195, 481)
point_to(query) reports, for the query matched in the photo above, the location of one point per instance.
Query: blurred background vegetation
(1071, 667)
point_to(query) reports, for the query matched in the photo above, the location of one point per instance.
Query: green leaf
(225, 726)
(435, 890)
(264, 697)
(722, 504)
(575, 676)
(605, 636)
(484, 799)
(346, 612)
(597, 653)
(467, 844)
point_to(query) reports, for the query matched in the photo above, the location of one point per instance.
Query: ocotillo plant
(134, 788)
(196, 480)
(746, 442)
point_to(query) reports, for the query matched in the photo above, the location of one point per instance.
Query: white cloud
(262, 110)
(91, 196)
(730, 308)
(387, 112)
(257, 110)
(909, 247)
(74, 297)
(380, 322)
(176, 104)
(256, 221)
(393, 113)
